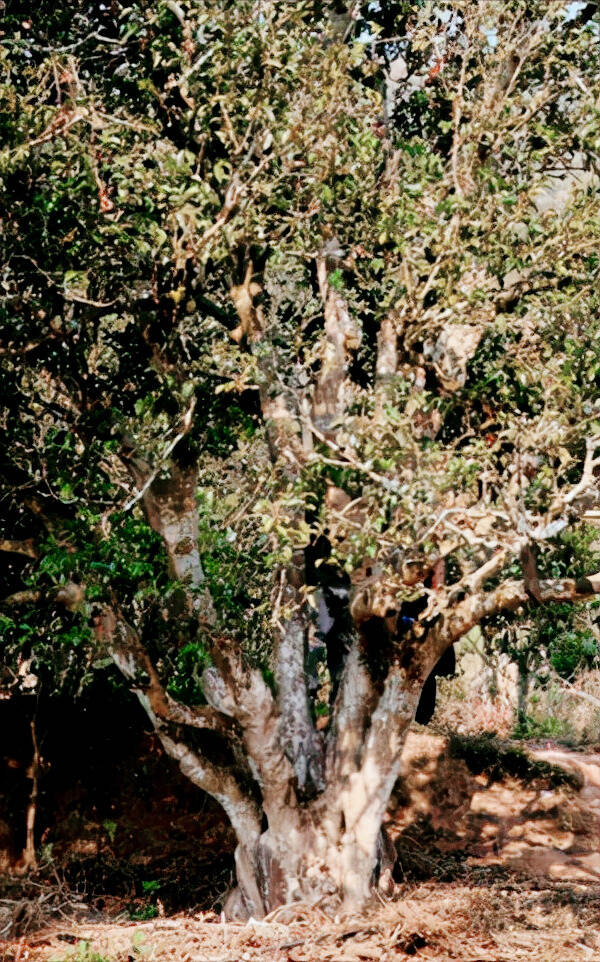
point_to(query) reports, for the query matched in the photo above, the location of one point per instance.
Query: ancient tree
(300, 352)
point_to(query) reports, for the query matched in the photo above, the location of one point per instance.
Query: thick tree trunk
(333, 851)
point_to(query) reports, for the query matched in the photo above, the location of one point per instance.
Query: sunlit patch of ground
(486, 818)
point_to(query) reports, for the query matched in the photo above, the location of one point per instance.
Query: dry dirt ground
(498, 860)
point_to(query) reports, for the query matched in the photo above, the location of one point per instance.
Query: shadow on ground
(468, 807)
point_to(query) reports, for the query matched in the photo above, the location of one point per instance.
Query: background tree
(299, 367)
(552, 644)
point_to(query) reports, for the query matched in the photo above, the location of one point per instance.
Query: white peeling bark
(235, 690)
(342, 336)
(365, 799)
(332, 847)
(302, 744)
(289, 444)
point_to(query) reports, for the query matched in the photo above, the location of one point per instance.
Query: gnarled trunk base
(333, 850)
(309, 867)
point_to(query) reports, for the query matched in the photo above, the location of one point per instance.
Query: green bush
(572, 651)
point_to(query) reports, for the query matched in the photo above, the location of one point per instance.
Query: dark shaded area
(115, 815)
(445, 668)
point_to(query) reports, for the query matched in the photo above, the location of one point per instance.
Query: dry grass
(473, 715)
(576, 714)
(465, 706)
(495, 923)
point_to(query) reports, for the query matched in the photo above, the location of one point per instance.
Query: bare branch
(176, 10)
(241, 809)
(347, 459)
(134, 662)
(341, 337)
(171, 508)
(251, 322)
(457, 106)
(572, 503)
(230, 202)
(508, 596)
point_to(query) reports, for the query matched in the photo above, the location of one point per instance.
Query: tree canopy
(300, 350)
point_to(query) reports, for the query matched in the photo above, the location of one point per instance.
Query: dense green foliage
(150, 152)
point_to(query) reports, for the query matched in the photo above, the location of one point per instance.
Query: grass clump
(497, 758)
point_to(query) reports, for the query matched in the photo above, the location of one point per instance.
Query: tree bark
(303, 745)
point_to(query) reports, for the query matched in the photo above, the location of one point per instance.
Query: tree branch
(570, 689)
(365, 794)
(383, 745)
(19, 547)
(241, 809)
(508, 596)
(290, 444)
(367, 789)
(132, 660)
(341, 337)
(171, 508)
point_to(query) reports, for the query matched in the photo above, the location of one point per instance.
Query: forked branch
(219, 781)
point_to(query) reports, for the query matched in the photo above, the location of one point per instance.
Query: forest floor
(498, 860)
